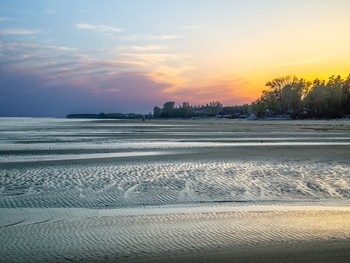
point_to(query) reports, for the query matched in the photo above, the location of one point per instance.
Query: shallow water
(45, 171)
(116, 190)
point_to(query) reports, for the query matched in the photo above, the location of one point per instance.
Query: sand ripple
(114, 191)
(128, 238)
(171, 182)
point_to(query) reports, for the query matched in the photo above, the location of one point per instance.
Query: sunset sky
(84, 56)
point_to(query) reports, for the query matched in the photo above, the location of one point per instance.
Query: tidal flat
(205, 190)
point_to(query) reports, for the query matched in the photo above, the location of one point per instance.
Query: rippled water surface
(105, 163)
(116, 190)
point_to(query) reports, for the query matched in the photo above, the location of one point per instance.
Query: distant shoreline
(133, 116)
(106, 116)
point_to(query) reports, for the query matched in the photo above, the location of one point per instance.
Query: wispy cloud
(165, 37)
(18, 32)
(33, 93)
(149, 67)
(172, 75)
(136, 37)
(28, 45)
(147, 48)
(154, 57)
(220, 88)
(60, 48)
(191, 27)
(99, 27)
(124, 49)
(133, 37)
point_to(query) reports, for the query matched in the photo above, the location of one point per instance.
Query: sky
(83, 56)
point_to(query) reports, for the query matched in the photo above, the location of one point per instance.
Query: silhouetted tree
(270, 99)
(328, 99)
(288, 95)
(301, 98)
(316, 99)
(168, 109)
(294, 94)
(289, 91)
(277, 86)
(346, 94)
(157, 112)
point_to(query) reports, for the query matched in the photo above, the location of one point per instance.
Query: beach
(199, 190)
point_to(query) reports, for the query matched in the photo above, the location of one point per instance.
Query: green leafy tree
(271, 101)
(336, 98)
(259, 108)
(316, 99)
(286, 94)
(277, 88)
(295, 94)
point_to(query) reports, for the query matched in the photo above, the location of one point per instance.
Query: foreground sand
(252, 233)
(175, 191)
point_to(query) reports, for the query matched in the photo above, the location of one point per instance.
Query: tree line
(186, 110)
(287, 95)
(305, 99)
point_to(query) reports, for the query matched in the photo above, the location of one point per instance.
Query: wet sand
(174, 191)
(275, 234)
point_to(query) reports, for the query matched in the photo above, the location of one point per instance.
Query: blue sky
(60, 57)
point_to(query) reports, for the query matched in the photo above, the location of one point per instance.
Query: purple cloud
(31, 94)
